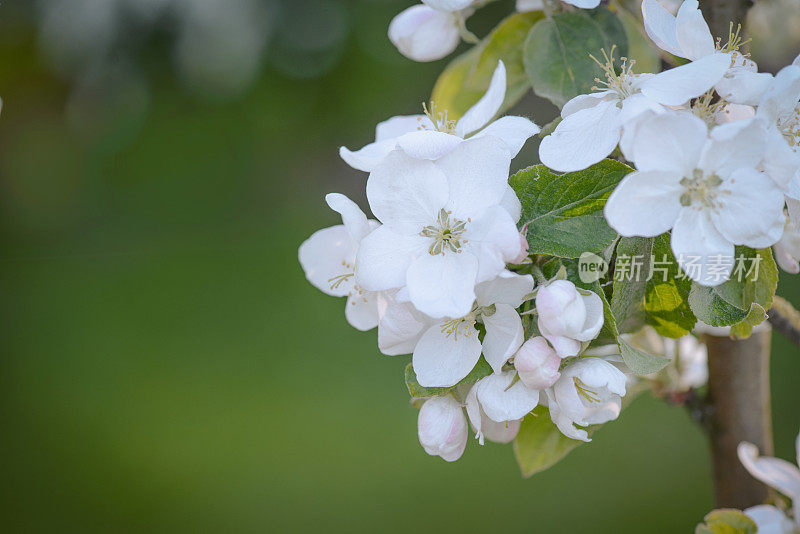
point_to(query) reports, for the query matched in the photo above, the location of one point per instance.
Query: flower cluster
(444, 274)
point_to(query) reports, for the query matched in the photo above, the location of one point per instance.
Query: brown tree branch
(785, 319)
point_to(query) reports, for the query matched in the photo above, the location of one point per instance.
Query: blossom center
(446, 233)
(441, 123)
(465, 325)
(585, 391)
(622, 83)
(790, 128)
(701, 190)
(338, 280)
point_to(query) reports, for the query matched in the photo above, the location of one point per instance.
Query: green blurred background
(167, 368)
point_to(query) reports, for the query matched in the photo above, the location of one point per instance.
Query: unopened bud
(537, 364)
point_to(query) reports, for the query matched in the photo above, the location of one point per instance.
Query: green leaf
(638, 361)
(753, 281)
(467, 77)
(481, 369)
(666, 298)
(630, 282)
(726, 521)
(557, 52)
(539, 443)
(564, 212)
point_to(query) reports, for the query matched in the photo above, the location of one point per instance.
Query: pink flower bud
(523, 254)
(537, 364)
(442, 428)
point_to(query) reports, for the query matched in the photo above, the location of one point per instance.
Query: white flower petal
(775, 472)
(770, 520)
(502, 432)
(586, 101)
(698, 246)
(441, 359)
(564, 346)
(424, 34)
(584, 4)
(448, 5)
(741, 86)
(361, 310)
(594, 317)
(693, 35)
(402, 124)
(428, 144)
(733, 146)
(353, 218)
(369, 157)
(514, 131)
(751, 210)
(510, 202)
(582, 139)
(523, 6)
(487, 107)
(494, 240)
(442, 428)
(405, 193)
(676, 86)
(645, 203)
(503, 403)
(477, 174)
(384, 257)
(504, 335)
(400, 326)
(327, 258)
(507, 288)
(670, 142)
(781, 98)
(443, 285)
(661, 26)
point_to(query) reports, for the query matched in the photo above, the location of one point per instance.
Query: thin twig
(785, 319)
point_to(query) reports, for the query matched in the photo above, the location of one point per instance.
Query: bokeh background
(166, 367)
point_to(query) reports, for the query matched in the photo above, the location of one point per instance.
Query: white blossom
(568, 316)
(538, 5)
(496, 405)
(593, 124)
(589, 392)
(703, 187)
(449, 349)
(442, 428)
(328, 259)
(787, 250)
(537, 363)
(423, 33)
(777, 473)
(444, 228)
(770, 520)
(433, 135)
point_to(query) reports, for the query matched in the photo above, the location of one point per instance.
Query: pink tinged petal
(443, 285)
(661, 26)
(785, 260)
(424, 34)
(487, 107)
(368, 157)
(774, 472)
(384, 257)
(676, 86)
(751, 211)
(507, 288)
(353, 218)
(741, 86)
(494, 240)
(670, 142)
(645, 203)
(361, 310)
(537, 363)
(428, 144)
(448, 5)
(327, 258)
(399, 328)
(564, 346)
(442, 428)
(503, 432)
(513, 131)
(504, 335)
(733, 146)
(405, 193)
(582, 139)
(704, 254)
(477, 174)
(402, 124)
(443, 357)
(782, 96)
(594, 317)
(474, 412)
(502, 401)
(561, 309)
(693, 35)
